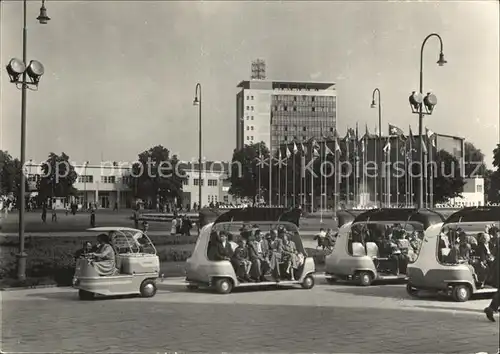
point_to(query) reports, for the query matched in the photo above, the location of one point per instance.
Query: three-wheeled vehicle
(220, 275)
(437, 270)
(378, 244)
(136, 261)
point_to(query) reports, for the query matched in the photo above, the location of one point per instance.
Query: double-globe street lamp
(378, 145)
(417, 101)
(19, 71)
(197, 102)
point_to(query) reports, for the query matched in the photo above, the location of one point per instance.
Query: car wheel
(365, 278)
(148, 288)
(86, 295)
(308, 282)
(461, 293)
(413, 292)
(223, 286)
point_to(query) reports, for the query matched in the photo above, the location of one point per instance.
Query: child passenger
(241, 261)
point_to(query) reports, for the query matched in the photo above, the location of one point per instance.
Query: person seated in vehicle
(241, 261)
(86, 249)
(485, 258)
(246, 231)
(464, 248)
(104, 257)
(230, 239)
(291, 257)
(258, 249)
(223, 250)
(494, 233)
(275, 253)
(391, 251)
(212, 245)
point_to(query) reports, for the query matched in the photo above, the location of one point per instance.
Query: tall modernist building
(277, 112)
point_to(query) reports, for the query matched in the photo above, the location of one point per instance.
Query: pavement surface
(328, 318)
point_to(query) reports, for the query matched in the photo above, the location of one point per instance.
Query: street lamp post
(20, 69)
(429, 101)
(85, 185)
(197, 102)
(378, 145)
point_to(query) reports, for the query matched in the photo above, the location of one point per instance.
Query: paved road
(340, 318)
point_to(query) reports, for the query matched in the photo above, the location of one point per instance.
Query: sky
(120, 76)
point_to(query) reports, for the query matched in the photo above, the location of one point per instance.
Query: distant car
(138, 261)
(220, 275)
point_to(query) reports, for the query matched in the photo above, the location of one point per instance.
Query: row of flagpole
(361, 183)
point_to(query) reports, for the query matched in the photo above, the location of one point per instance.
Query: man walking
(495, 302)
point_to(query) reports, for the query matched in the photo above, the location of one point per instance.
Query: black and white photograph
(203, 176)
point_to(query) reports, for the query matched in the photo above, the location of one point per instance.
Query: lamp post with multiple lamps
(378, 145)
(197, 102)
(19, 71)
(417, 103)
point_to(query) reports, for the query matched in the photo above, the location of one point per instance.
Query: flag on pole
(328, 151)
(295, 149)
(349, 135)
(431, 136)
(288, 153)
(303, 149)
(393, 130)
(387, 147)
(315, 153)
(337, 146)
(424, 148)
(281, 161)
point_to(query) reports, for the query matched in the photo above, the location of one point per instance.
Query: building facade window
(86, 179)
(479, 188)
(252, 98)
(196, 182)
(251, 128)
(212, 183)
(108, 179)
(251, 108)
(185, 182)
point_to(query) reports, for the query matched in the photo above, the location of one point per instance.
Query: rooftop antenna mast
(258, 69)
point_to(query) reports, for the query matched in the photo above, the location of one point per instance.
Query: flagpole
(270, 177)
(294, 177)
(312, 185)
(397, 177)
(260, 157)
(389, 176)
(406, 174)
(279, 177)
(425, 176)
(348, 180)
(286, 177)
(431, 174)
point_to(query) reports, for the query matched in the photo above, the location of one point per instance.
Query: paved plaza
(328, 318)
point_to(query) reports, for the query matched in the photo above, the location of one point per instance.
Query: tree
(247, 165)
(157, 176)
(474, 161)
(58, 177)
(496, 157)
(448, 181)
(10, 174)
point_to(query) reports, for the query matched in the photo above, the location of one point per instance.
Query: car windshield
(128, 241)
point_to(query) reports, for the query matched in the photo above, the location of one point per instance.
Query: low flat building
(107, 184)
